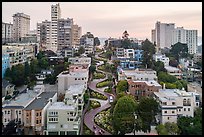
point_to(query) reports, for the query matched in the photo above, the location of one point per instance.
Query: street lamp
(135, 121)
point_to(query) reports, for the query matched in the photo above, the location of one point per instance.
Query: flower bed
(103, 119)
(98, 95)
(103, 84)
(94, 104)
(99, 75)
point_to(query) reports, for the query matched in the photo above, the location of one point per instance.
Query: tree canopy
(122, 86)
(123, 115)
(179, 50)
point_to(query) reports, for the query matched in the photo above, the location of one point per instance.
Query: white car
(110, 99)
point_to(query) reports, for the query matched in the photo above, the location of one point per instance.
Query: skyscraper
(21, 26)
(162, 35)
(55, 15)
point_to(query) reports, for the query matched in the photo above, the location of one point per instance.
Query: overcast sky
(110, 19)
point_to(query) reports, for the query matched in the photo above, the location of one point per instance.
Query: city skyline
(138, 18)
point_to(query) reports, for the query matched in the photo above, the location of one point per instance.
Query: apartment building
(162, 35)
(35, 114)
(76, 34)
(44, 36)
(143, 88)
(129, 58)
(87, 39)
(7, 32)
(174, 71)
(175, 103)
(137, 74)
(162, 58)
(55, 15)
(66, 79)
(64, 118)
(21, 26)
(64, 33)
(13, 109)
(19, 54)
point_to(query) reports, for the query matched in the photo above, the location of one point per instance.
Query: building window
(40, 113)
(173, 103)
(5, 112)
(165, 111)
(8, 112)
(67, 119)
(168, 118)
(40, 121)
(5, 120)
(36, 114)
(75, 78)
(19, 112)
(36, 121)
(184, 109)
(189, 109)
(173, 112)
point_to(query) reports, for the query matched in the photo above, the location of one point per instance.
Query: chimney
(164, 86)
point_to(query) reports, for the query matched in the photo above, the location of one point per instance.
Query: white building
(64, 118)
(21, 26)
(80, 60)
(175, 103)
(76, 34)
(7, 32)
(137, 74)
(44, 34)
(162, 35)
(66, 79)
(162, 58)
(174, 71)
(188, 37)
(55, 15)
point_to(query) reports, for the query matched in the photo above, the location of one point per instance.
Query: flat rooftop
(149, 83)
(60, 106)
(76, 89)
(21, 100)
(41, 101)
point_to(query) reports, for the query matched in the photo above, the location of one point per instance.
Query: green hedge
(103, 84)
(99, 75)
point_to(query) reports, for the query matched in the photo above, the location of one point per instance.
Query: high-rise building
(64, 33)
(7, 30)
(192, 40)
(55, 15)
(44, 34)
(76, 35)
(186, 36)
(21, 26)
(162, 34)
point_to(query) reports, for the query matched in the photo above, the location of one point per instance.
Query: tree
(165, 77)
(168, 129)
(148, 51)
(173, 63)
(34, 66)
(179, 50)
(161, 130)
(123, 115)
(147, 109)
(92, 68)
(81, 50)
(178, 84)
(96, 41)
(43, 63)
(126, 43)
(122, 86)
(158, 66)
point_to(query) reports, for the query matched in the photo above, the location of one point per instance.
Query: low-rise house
(143, 88)
(13, 109)
(174, 103)
(137, 74)
(35, 116)
(174, 71)
(162, 58)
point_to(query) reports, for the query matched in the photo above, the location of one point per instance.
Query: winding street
(89, 116)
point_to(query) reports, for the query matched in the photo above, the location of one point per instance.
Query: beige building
(21, 26)
(80, 60)
(174, 71)
(76, 34)
(20, 53)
